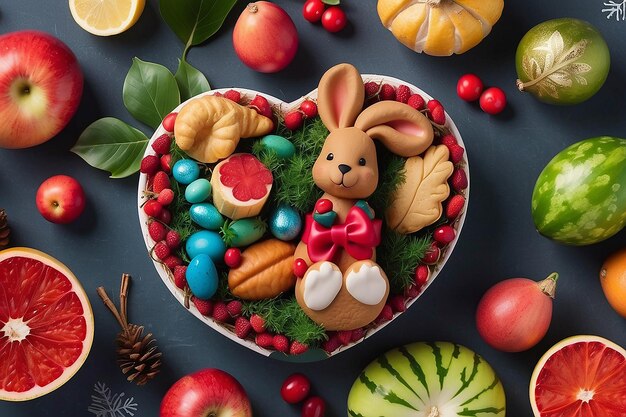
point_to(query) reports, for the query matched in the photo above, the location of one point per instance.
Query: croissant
(209, 128)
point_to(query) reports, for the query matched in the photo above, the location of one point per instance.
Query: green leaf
(150, 92)
(331, 2)
(195, 21)
(112, 145)
(190, 81)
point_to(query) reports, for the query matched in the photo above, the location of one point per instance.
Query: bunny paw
(321, 285)
(367, 284)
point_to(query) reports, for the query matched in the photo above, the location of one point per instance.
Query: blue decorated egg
(283, 148)
(285, 223)
(206, 242)
(185, 171)
(198, 191)
(201, 276)
(206, 215)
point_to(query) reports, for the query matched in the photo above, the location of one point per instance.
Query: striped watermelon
(580, 196)
(427, 379)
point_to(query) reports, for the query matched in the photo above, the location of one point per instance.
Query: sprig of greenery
(398, 255)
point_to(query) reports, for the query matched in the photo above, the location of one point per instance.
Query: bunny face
(347, 165)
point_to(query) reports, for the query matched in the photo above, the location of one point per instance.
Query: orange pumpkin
(440, 27)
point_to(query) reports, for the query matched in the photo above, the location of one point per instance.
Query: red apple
(60, 199)
(40, 88)
(206, 393)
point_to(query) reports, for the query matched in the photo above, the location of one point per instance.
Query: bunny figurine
(339, 285)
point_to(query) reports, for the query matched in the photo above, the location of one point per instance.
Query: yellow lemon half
(106, 17)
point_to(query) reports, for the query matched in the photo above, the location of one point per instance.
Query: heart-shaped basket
(339, 342)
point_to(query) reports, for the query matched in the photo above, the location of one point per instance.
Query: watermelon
(427, 379)
(580, 196)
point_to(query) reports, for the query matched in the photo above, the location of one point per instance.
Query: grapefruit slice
(46, 324)
(581, 376)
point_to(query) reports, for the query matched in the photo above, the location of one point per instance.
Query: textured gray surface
(506, 154)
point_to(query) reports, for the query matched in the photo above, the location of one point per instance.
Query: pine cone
(137, 355)
(4, 230)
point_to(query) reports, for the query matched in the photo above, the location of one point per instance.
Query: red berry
(161, 181)
(258, 323)
(444, 234)
(165, 197)
(295, 388)
(293, 120)
(161, 250)
(455, 206)
(152, 208)
(205, 307)
(411, 292)
(261, 105)
(345, 337)
(493, 100)
(403, 93)
(313, 10)
(422, 272)
(334, 19)
(331, 344)
(309, 108)
(433, 104)
(416, 101)
(172, 262)
(438, 115)
(157, 231)
(387, 92)
(234, 308)
(371, 89)
(300, 267)
(432, 254)
(218, 94)
(397, 303)
(264, 340)
(220, 313)
(161, 145)
(172, 239)
(469, 87)
(297, 348)
(168, 122)
(314, 407)
(358, 334)
(242, 327)
(233, 95)
(449, 141)
(385, 315)
(165, 216)
(323, 205)
(456, 153)
(166, 163)
(150, 164)
(232, 257)
(180, 280)
(458, 180)
(281, 343)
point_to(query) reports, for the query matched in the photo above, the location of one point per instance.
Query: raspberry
(220, 313)
(416, 101)
(172, 239)
(264, 340)
(161, 182)
(218, 94)
(449, 141)
(371, 89)
(387, 92)
(309, 108)
(297, 348)
(205, 307)
(345, 336)
(258, 323)
(161, 250)
(233, 95)
(150, 164)
(281, 343)
(166, 196)
(234, 308)
(455, 206)
(180, 280)
(161, 145)
(152, 208)
(242, 327)
(403, 93)
(432, 104)
(261, 105)
(358, 334)
(438, 115)
(385, 315)
(332, 344)
(456, 153)
(397, 303)
(166, 163)
(293, 120)
(172, 261)
(458, 180)
(422, 272)
(157, 231)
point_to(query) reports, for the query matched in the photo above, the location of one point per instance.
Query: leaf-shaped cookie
(417, 202)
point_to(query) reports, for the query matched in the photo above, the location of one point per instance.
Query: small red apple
(60, 199)
(207, 393)
(41, 84)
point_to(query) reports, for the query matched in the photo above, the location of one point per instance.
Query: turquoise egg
(198, 191)
(201, 276)
(185, 171)
(208, 243)
(283, 148)
(206, 215)
(285, 223)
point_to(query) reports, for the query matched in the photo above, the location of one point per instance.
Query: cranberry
(493, 100)
(309, 108)
(432, 254)
(469, 87)
(293, 120)
(313, 10)
(168, 122)
(166, 163)
(314, 407)
(299, 267)
(444, 234)
(295, 388)
(421, 275)
(232, 257)
(334, 19)
(153, 208)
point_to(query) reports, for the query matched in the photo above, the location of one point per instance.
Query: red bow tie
(359, 235)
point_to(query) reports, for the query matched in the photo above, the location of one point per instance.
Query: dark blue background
(506, 154)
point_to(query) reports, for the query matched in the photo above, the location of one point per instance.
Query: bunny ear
(340, 96)
(401, 128)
